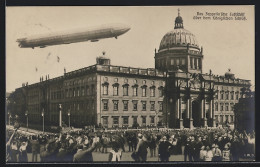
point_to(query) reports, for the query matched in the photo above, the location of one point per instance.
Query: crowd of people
(218, 144)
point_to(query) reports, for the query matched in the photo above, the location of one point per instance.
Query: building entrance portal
(196, 113)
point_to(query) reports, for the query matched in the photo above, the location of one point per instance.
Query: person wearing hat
(115, 154)
(164, 149)
(23, 153)
(141, 149)
(226, 155)
(209, 154)
(84, 154)
(187, 149)
(198, 146)
(217, 155)
(35, 148)
(203, 153)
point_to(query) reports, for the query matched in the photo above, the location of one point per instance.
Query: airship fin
(94, 40)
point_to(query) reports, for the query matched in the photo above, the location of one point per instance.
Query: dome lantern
(178, 21)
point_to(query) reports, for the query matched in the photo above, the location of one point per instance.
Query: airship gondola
(73, 36)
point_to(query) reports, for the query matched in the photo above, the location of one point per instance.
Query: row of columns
(189, 112)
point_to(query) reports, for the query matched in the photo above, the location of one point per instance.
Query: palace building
(175, 93)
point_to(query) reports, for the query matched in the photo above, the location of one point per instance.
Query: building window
(237, 95)
(221, 107)
(125, 90)
(216, 118)
(74, 92)
(105, 89)
(92, 89)
(125, 120)
(172, 62)
(115, 121)
(152, 120)
(216, 94)
(115, 105)
(231, 118)
(144, 91)
(182, 61)
(227, 95)
(105, 120)
(177, 61)
(135, 105)
(191, 62)
(222, 95)
(152, 91)
(78, 92)
(221, 119)
(83, 91)
(105, 105)
(87, 90)
(125, 105)
(232, 106)
(144, 120)
(160, 106)
(216, 106)
(143, 105)
(135, 89)
(227, 119)
(134, 120)
(232, 95)
(115, 91)
(152, 105)
(226, 107)
(78, 107)
(160, 91)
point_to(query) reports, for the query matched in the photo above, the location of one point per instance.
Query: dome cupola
(179, 50)
(178, 36)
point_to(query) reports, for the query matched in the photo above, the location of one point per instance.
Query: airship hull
(93, 35)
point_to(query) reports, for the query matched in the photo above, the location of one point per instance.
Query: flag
(58, 59)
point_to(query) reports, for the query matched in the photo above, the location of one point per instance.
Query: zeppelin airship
(93, 34)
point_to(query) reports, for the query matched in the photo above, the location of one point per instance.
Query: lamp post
(26, 114)
(43, 120)
(156, 118)
(9, 116)
(69, 117)
(60, 115)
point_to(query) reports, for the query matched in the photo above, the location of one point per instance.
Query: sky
(226, 44)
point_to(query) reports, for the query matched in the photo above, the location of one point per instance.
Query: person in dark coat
(198, 146)
(23, 153)
(192, 149)
(35, 148)
(187, 149)
(62, 154)
(13, 151)
(84, 153)
(164, 149)
(141, 149)
(235, 149)
(152, 146)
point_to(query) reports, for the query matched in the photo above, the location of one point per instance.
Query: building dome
(178, 36)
